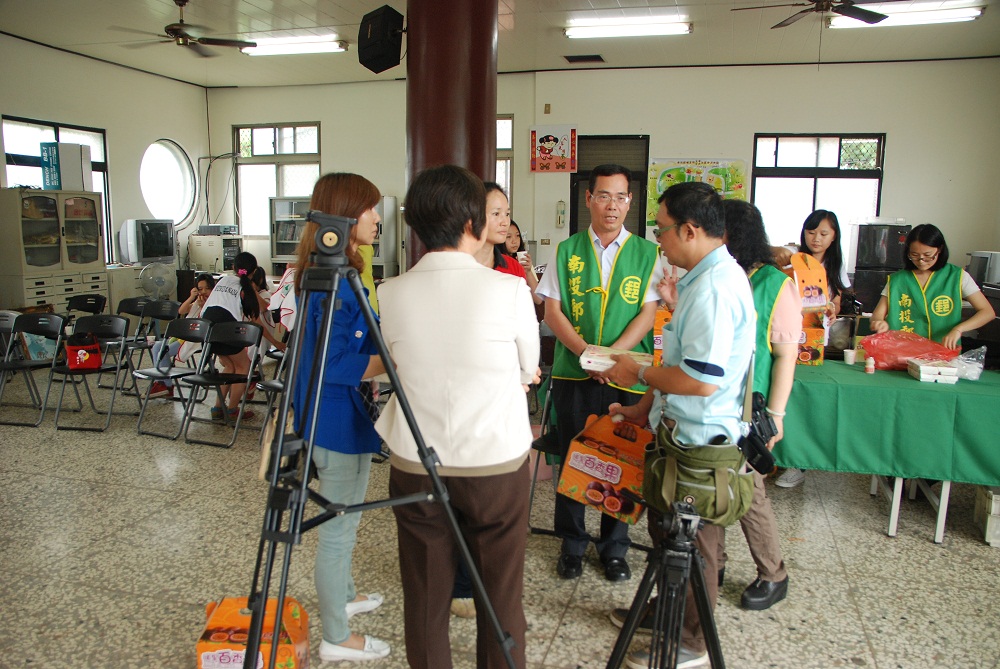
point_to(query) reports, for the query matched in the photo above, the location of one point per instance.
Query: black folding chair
(156, 314)
(273, 388)
(91, 303)
(21, 360)
(186, 330)
(546, 446)
(129, 308)
(237, 333)
(110, 333)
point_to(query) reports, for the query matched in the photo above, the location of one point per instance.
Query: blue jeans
(164, 364)
(343, 478)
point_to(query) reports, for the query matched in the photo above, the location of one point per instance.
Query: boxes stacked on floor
(987, 513)
(932, 371)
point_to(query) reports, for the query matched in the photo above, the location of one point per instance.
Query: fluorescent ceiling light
(281, 46)
(627, 27)
(911, 18)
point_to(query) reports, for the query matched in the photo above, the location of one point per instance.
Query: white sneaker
(373, 650)
(791, 478)
(374, 601)
(686, 659)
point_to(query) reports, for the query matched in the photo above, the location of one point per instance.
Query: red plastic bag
(894, 348)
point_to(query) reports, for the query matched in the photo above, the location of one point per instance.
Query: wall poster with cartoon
(726, 176)
(553, 148)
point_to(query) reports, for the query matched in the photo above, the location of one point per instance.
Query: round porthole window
(167, 180)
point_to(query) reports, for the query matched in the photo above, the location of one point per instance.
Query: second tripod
(674, 562)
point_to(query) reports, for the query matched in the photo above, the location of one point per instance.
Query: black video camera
(762, 429)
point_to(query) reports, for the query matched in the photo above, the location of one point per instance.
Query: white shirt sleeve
(969, 285)
(548, 285)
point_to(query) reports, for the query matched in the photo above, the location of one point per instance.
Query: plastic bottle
(869, 365)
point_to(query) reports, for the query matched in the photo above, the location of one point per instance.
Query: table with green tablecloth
(841, 419)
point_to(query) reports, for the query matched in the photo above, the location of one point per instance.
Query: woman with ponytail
(234, 298)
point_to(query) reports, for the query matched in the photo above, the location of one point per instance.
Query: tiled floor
(111, 545)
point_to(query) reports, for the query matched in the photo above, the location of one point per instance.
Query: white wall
(135, 109)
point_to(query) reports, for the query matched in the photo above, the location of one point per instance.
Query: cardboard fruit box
(223, 643)
(663, 316)
(811, 347)
(603, 460)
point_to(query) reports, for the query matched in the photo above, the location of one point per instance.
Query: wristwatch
(642, 374)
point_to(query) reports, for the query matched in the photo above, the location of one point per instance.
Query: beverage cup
(850, 356)
(521, 255)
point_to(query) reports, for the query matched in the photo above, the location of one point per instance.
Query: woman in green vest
(779, 324)
(926, 297)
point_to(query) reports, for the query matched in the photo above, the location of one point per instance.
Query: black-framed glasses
(924, 257)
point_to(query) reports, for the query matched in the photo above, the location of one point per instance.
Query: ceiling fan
(847, 8)
(179, 35)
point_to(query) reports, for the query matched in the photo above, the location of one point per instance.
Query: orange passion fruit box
(663, 316)
(810, 280)
(603, 460)
(811, 346)
(223, 643)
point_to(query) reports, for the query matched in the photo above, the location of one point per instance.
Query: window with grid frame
(276, 160)
(795, 174)
(22, 140)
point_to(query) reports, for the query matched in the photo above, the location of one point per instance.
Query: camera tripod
(674, 561)
(292, 454)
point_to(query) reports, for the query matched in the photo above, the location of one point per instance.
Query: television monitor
(146, 240)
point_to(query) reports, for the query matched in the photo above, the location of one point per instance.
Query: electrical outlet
(545, 242)
(548, 108)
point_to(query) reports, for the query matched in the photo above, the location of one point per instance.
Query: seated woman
(926, 297)
(234, 298)
(190, 308)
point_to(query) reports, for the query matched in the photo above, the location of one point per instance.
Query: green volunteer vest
(766, 282)
(598, 315)
(931, 311)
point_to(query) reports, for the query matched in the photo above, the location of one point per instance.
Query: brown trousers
(761, 530)
(492, 512)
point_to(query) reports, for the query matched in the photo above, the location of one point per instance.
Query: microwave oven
(984, 266)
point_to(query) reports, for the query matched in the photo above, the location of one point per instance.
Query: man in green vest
(600, 288)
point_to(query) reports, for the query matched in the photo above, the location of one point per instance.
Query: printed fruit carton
(810, 280)
(604, 459)
(223, 643)
(663, 316)
(811, 346)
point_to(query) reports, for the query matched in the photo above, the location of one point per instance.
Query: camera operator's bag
(712, 478)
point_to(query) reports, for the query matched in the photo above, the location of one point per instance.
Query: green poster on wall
(726, 176)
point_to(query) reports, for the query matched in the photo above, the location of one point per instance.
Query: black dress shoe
(762, 594)
(616, 569)
(569, 566)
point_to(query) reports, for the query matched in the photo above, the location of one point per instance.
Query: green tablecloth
(888, 423)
